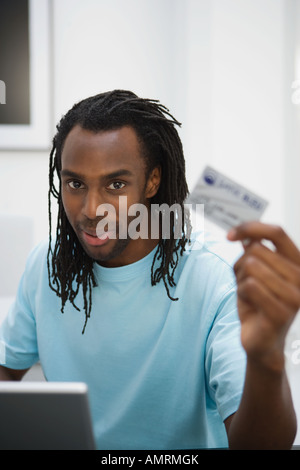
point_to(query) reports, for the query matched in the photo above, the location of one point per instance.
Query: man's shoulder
(38, 254)
(207, 247)
(207, 266)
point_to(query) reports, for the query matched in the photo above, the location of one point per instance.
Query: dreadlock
(69, 267)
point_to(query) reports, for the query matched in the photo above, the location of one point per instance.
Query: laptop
(45, 416)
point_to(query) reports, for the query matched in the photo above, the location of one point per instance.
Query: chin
(111, 250)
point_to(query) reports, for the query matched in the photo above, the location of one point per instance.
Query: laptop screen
(45, 416)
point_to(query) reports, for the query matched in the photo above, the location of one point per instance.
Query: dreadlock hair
(69, 267)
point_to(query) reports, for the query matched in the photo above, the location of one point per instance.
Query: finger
(254, 293)
(259, 231)
(278, 287)
(274, 260)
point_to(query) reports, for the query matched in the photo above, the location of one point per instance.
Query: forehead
(91, 153)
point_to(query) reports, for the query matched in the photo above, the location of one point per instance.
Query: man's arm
(266, 417)
(11, 374)
(268, 299)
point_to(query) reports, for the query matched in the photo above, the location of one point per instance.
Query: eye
(116, 185)
(74, 184)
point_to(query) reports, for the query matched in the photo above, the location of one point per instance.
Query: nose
(91, 202)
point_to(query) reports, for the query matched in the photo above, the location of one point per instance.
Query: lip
(93, 240)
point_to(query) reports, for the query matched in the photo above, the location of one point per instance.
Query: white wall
(292, 149)
(242, 88)
(102, 45)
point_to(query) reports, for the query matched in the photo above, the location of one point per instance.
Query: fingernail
(231, 234)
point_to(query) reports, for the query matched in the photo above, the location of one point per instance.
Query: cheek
(128, 205)
(70, 206)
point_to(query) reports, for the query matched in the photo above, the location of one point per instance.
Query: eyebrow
(115, 174)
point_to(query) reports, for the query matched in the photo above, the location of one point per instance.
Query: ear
(153, 182)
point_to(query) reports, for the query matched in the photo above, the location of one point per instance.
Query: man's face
(97, 168)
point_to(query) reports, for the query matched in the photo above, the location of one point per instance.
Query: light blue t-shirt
(161, 374)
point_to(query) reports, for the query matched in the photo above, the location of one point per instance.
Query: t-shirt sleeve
(225, 357)
(18, 341)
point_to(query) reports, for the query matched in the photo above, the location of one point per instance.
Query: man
(159, 343)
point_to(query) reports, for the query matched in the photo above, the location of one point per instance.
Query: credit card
(226, 203)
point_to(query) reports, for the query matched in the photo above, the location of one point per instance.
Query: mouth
(92, 239)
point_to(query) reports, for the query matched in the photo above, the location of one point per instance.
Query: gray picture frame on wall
(25, 81)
